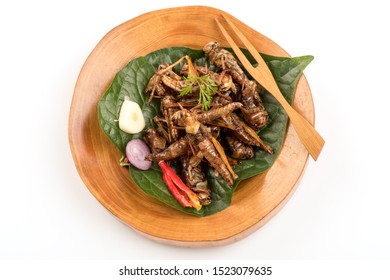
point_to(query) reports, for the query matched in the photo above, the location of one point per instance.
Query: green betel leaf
(131, 81)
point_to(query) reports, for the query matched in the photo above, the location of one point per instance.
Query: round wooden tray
(255, 201)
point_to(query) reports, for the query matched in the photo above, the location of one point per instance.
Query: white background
(339, 211)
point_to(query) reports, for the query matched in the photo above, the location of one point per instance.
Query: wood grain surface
(255, 201)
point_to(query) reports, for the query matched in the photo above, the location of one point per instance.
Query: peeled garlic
(131, 119)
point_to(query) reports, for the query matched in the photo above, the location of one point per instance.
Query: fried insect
(173, 151)
(155, 85)
(253, 109)
(225, 60)
(155, 141)
(186, 119)
(196, 157)
(174, 84)
(168, 111)
(239, 149)
(195, 179)
(203, 141)
(241, 131)
(165, 81)
(222, 99)
(161, 126)
(213, 114)
(191, 119)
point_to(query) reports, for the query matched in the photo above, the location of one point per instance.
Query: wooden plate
(255, 201)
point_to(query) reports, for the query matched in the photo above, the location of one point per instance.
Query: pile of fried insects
(203, 111)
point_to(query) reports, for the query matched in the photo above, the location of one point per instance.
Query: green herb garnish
(207, 88)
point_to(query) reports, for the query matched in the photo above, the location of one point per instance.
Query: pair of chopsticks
(309, 137)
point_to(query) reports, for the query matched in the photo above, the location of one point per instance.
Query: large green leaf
(132, 80)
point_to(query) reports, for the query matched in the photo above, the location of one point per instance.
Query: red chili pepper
(183, 194)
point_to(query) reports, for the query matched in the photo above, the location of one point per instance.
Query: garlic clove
(131, 119)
